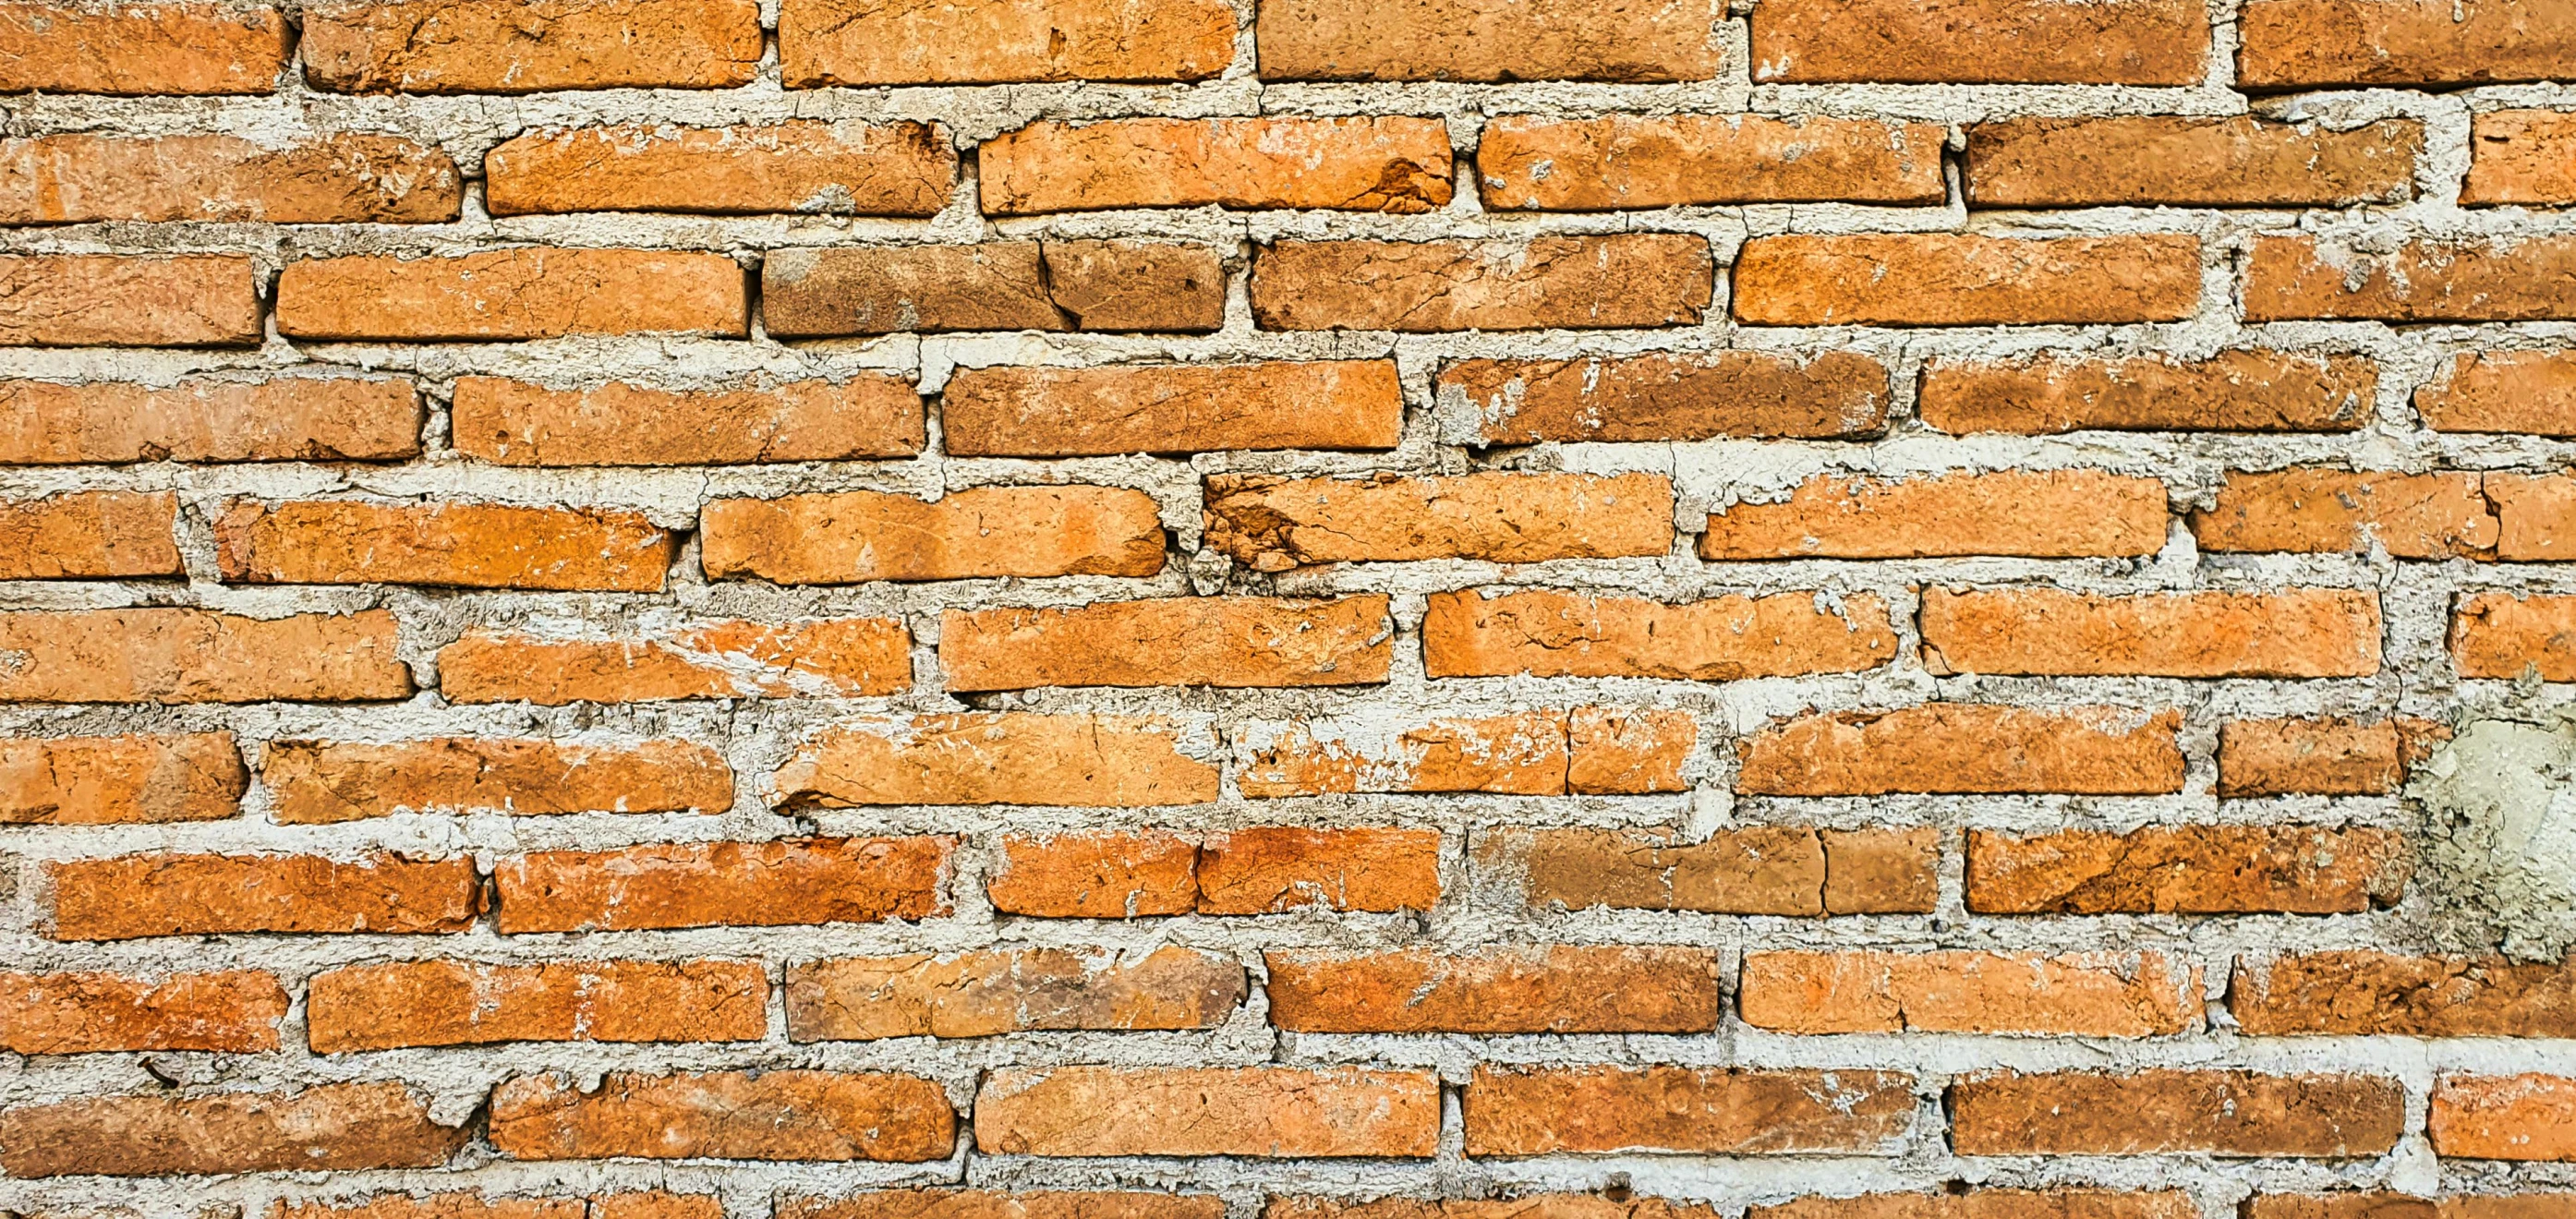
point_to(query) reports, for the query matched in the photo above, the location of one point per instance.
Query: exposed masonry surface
(1164, 609)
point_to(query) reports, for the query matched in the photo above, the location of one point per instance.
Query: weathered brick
(1087, 761)
(1544, 1111)
(1557, 634)
(233, 1012)
(1833, 395)
(2010, 42)
(1522, 754)
(467, 545)
(1784, 870)
(527, 292)
(1534, 283)
(2329, 757)
(2310, 510)
(1488, 40)
(998, 285)
(1987, 1203)
(2361, 1205)
(1966, 279)
(1882, 871)
(434, 1003)
(2039, 513)
(193, 656)
(2148, 161)
(282, 419)
(2300, 44)
(2297, 632)
(785, 882)
(1629, 751)
(2114, 994)
(517, 423)
(1181, 1111)
(2536, 516)
(2188, 869)
(2219, 1113)
(2520, 157)
(1366, 164)
(728, 1115)
(325, 1128)
(188, 47)
(530, 46)
(2374, 994)
(1966, 748)
(120, 780)
(1556, 989)
(1180, 641)
(985, 994)
(823, 658)
(95, 300)
(891, 169)
(1625, 162)
(1139, 874)
(917, 42)
(852, 537)
(471, 1205)
(126, 897)
(1275, 524)
(1519, 1206)
(2504, 635)
(1173, 408)
(2503, 391)
(2503, 1117)
(2233, 391)
(2501, 280)
(89, 535)
(989, 1204)
(319, 782)
(70, 179)
(1274, 868)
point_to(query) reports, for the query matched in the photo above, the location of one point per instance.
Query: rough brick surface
(724, 884)
(2239, 162)
(779, 1115)
(2207, 869)
(1002, 285)
(312, 782)
(191, 656)
(1181, 408)
(897, 169)
(1190, 641)
(1553, 634)
(516, 423)
(284, 419)
(2129, 42)
(346, 179)
(2235, 391)
(982, 994)
(2220, 1113)
(1397, 165)
(2291, 44)
(1261, 1111)
(1487, 40)
(1965, 747)
(464, 1003)
(113, 780)
(832, 657)
(89, 535)
(2519, 1117)
(2044, 514)
(2507, 279)
(1525, 1112)
(852, 42)
(2110, 995)
(90, 1013)
(859, 536)
(1620, 280)
(1009, 758)
(1834, 395)
(182, 48)
(2292, 633)
(1275, 525)
(1622, 162)
(95, 300)
(329, 1127)
(1561, 989)
(529, 46)
(133, 896)
(2362, 993)
(1954, 280)
(469, 545)
(524, 293)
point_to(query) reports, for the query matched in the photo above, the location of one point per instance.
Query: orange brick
(2008, 42)
(825, 658)
(233, 1012)
(1096, 875)
(1229, 642)
(2323, 511)
(1966, 748)
(343, 1127)
(1545, 1111)
(1557, 634)
(2503, 280)
(2118, 994)
(193, 656)
(461, 544)
(1887, 871)
(2188, 869)
(2299, 632)
(2148, 161)
(319, 782)
(189, 47)
(1555, 989)
(987, 1204)
(517, 423)
(2219, 1113)
(2233, 391)
(1985, 1203)
(892, 169)
(1488, 40)
(1624, 162)
(1087, 761)
(436, 1003)
(89, 535)
(120, 780)
(1629, 751)
(1365, 163)
(2331, 757)
(2504, 1117)
(70, 179)
(730, 1115)
(2504, 635)
(2520, 157)
(1179, 1111)
(2367, 994)
(473, 1205)
(2503, 391)
(102, 300)
(528, 292)
(1833, 395)
(915, 42)
(999, 285)
(2298, 44)
(126, 897)
(2536, 516)
(2359, 1205)
(1276, 524)
(1965, 279)
(1274, 868)
(781, 883)
(2040, 513)
(986, 994)
(1784, 870)
(530, 46)
(852, 537)
(1527, 1206)
(1535, 283)
(1176, 408)
(284, 419)
(1523, 754)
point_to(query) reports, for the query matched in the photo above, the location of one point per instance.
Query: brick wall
(1338, 609)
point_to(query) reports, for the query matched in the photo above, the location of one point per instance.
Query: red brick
(234, 1012)
(188, 47)
(2536, 516)
(2504, 1117)
(2504, 635)
(320, 782)
(1629, 751)
(2299, 632)
(472, 1205)
(1523, 754)
(530, 46)
(527, 292)
(730, 1115)
(1834, 395)
(120, 780)
(2359, 1205)
(89, 535)
(1175, 408)
(2039, 513)
(2188, 869)
(1987, 1203)
(825, 658)
(1555, 989)
(2377, 994)
(193, 656)
(2520, 157)
(126, 897)
(1966, 748)
(2312, 510)
(2233, 391)
(1784, 870)
(1545, 1111)
(2501, 280)
(2149, 161)
(787, 882)
(1228, 642)
(1366, 163)
(1275, 524)
(2503, 391)
(998, 285)
(2009, 42)
(1966, 279)
(2220, 1113)
(2329, 757)
(1488, 40)
(517, 423)
(892, 169)
(1274, 868)
(70, 179)
(1556, 634)
(283, 419)
(465, 545)
(985, 1204)
(106, 300)
(1178, 1111)
(1138, 874)
(436, 1003)
(2297, 44)
(916, 42)
(343, 1127)
(2124, 994)
(985, 994)
(1625, 162)
(1088, 761)
(1521, 1206)
(1535, 283)
(852, 537)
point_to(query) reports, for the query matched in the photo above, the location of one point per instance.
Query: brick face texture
(1317, 609)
